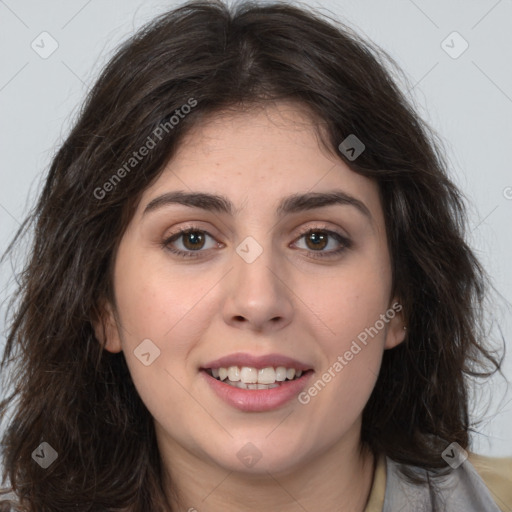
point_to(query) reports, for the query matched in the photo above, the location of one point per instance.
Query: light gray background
(468, 100)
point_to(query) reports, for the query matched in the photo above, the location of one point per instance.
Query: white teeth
(249, 375)
(280, 373)
(250, 378)
(234, 373)
(290, 373)
(266, 376)
(242, 385)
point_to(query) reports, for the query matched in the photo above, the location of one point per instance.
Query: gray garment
(461, 490)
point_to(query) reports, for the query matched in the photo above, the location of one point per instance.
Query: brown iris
(195, 238)
(318, 239)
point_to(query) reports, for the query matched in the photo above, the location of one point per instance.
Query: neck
(338, 479)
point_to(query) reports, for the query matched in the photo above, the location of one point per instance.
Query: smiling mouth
(247, 377)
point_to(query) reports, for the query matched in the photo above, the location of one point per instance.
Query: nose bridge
(254, 264)
(258, 292)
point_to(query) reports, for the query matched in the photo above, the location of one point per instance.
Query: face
(275, 274)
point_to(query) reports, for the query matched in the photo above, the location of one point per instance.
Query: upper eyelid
(302, 232)
(322, 226)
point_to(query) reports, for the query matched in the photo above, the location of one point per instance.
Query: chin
(259, 456)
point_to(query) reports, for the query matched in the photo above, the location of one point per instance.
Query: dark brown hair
(79, 398)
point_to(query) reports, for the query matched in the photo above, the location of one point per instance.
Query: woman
(249, 287)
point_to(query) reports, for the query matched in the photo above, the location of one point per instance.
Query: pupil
(195, 237)
(317, 238)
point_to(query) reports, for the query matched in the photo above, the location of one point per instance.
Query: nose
(258, 293)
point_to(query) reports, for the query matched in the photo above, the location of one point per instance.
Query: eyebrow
(291, 204)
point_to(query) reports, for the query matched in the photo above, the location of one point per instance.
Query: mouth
(256, 383)
(252, 378)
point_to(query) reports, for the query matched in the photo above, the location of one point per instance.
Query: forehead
(258, 157)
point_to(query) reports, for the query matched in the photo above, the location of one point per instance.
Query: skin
(287, 301)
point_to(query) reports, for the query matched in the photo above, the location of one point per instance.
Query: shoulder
(496, 472)
(469, 488)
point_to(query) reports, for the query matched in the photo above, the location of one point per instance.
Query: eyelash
(345, 242)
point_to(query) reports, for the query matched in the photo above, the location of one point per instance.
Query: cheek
(157, 303)
(349, 300)
(172, 311)
(162, 317)
(352, 333)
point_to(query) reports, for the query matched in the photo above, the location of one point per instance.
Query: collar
(461, 490)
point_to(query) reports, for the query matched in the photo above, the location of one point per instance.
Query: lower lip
(257, 400)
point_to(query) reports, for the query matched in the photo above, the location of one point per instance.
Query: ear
(397, 330)
(106, 329)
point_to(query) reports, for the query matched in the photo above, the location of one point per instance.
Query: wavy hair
(71, 393)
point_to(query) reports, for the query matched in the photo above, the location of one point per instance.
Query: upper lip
(243, 359)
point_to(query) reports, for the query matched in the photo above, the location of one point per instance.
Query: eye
(319, 238)
(193, 240)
